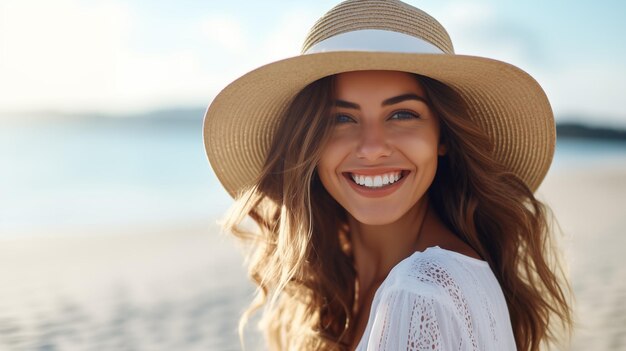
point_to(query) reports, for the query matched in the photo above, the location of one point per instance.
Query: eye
(404, 115)
(342, 118)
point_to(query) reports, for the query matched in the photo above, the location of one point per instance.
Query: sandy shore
(175, 288)
(182, 287)
(589, 205)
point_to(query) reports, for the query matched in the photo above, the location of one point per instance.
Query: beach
(589, 204)
(176, 288)
(183, 286)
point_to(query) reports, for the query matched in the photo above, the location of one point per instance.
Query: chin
(376, 217)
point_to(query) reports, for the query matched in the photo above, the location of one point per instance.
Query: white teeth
(376, 181)
(368, 181)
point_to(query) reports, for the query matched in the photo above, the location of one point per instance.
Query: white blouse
(439, 300)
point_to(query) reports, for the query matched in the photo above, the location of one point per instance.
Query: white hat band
(374, 40)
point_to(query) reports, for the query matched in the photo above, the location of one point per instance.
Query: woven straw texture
(505, 101)
(376, 14)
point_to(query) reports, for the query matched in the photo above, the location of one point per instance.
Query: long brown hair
(493, 210)
(306, 278)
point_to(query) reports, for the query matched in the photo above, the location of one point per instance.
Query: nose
(372, 143)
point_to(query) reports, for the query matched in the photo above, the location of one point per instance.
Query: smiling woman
(392, 184)
(384, 133)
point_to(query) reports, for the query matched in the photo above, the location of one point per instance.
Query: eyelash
(412, 115)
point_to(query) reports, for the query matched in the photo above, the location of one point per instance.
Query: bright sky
(135, 55)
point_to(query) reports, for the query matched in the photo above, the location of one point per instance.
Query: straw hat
(504, 101)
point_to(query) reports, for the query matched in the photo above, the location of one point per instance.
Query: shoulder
(437, 271)
(415, 306)
(445, 278)
(439, 299)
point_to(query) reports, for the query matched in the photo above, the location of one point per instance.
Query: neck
(378, 248)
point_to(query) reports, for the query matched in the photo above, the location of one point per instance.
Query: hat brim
(506, 102)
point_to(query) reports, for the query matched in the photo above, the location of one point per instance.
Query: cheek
(421, 149)
(327, 167)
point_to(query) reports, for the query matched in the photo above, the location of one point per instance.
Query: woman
(392, 184)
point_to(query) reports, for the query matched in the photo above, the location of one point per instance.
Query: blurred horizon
(197, 112)
(69, 171)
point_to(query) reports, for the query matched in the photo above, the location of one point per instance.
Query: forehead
(384, 83)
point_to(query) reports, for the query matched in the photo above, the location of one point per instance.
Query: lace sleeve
(406, 320)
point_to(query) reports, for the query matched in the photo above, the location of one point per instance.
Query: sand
(175, 288)
(589, 205)
(183, 286)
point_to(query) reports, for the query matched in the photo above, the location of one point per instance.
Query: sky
(133, 56)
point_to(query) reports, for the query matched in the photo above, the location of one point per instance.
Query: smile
(376, 181)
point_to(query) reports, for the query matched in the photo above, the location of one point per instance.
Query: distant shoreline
(571, 130)
(568, 128)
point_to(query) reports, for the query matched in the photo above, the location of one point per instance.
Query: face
(382, 154)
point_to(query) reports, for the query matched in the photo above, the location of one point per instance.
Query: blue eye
(340, 118)
(404, 115)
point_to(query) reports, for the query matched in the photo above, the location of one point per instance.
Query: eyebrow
(391, 101)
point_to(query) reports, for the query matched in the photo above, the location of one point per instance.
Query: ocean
(65, 173)
(104, 172)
